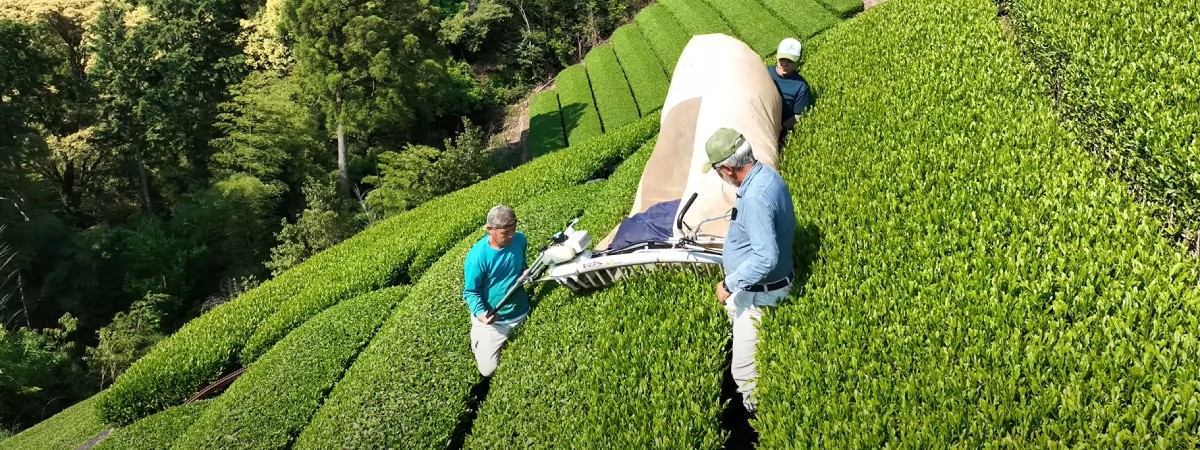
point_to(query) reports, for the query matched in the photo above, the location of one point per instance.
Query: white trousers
(486, 342)
(745, 310)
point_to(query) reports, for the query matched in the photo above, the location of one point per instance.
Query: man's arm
(474, 288)
(760, 225)
(790, 123)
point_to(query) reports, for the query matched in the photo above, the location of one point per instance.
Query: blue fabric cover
(653, 225)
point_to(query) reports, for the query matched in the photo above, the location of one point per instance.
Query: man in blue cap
(792, 87)
(758, 248)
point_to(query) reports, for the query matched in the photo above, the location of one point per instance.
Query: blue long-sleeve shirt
(488, 273)
(794, 91)
(758, 246)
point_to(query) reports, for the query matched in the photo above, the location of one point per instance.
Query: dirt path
(868, 4)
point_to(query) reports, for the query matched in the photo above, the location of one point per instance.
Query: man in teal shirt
(493, 265)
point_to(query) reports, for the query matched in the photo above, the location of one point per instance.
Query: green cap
(723, 144)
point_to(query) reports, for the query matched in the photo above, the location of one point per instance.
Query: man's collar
(742, 189)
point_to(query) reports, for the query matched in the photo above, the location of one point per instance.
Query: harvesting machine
(719, 82)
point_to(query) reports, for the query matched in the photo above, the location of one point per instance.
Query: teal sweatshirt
(489, 273)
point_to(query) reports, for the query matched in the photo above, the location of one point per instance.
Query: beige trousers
(745, 310)
(486, 342)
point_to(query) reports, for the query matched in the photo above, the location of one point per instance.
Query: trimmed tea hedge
(545, 124)
(207, 347)
(636, 365)
(807, 17)
(409, 387)
(697, 17)
(980, 282)
(269, 405)
(1128, 73)
(580, 118)
(66, 430)
(643, 70)
(843, 8)
(156, 432)
(614, 99)
(617, 194)
(753, 24)
(665, 34)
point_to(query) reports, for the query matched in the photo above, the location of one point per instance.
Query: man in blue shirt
(758, 248)
(792, 87)
(492, 267)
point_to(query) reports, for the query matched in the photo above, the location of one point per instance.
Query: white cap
(789, 49)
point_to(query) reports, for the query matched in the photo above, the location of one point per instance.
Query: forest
(160, 157)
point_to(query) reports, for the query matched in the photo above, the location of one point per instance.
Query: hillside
(978, 265)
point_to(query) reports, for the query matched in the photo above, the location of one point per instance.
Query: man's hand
(486, 318)
(722, 294)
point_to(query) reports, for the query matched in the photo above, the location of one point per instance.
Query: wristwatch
(726, 287)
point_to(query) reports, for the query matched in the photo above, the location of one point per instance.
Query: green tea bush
(1127, 77)
(646, 76)
(697, 17)
(156, 432)
(979, 281)
(409, 387)
(806, 17)
(843, 8)
(269, 404)
(614, 99)
(617, 194)
(580, 118)
(753, 24)
(66, 430)
(545, 124)
(636, 365)
(207, 347)
(665, 34)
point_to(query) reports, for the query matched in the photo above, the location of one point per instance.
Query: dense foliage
(753, 24)
(182, 150)
(614, 100)
(401, 247)
(843, 8)
(635, 365)
(156, 432)
(978, 280)
(65, 431)
(665, 34)
(643, 71)
(1125, 81)
(275, 398)
(545, 124)
(408, 388)
(697, 17)
(806, 17)
(577, 105)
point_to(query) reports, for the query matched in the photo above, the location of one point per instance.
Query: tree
(40, 377)
(420, 173)
(267, 132)
(470, 27)
(372, 66)
(325, 222)
(129, 337)
(160, 81)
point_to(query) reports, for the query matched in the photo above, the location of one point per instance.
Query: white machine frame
(574, 266)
